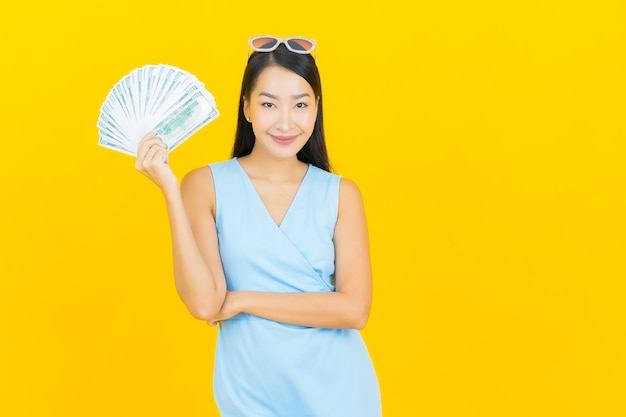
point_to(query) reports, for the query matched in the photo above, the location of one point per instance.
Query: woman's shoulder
(200, 182)
(198, 177)
(198, 187)
(349, 188)
(324, 175)
(203, 176)
(350, 197)
(346, 187)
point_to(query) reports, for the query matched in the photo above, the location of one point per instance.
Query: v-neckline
(260, 200)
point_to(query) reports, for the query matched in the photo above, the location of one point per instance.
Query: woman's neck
(274, 169)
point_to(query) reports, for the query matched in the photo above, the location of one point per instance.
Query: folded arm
(349, 306)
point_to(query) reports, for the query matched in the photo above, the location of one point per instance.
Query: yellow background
(487, 138)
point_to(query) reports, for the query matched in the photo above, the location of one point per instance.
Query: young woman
(274, 248)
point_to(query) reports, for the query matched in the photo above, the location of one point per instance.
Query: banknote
(162, 97)
(186, 119)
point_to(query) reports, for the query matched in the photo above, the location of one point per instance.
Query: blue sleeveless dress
(268, 369)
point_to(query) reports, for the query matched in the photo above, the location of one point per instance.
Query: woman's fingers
(152, 161)
(145, 141)
(149, 135)
(147, 161)
(156, 153)
(150, 146)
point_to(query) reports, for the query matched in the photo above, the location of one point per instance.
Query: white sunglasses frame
(282, 40)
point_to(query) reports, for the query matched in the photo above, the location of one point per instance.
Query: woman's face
(282, 109)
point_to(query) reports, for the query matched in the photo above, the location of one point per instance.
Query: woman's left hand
(230, 308)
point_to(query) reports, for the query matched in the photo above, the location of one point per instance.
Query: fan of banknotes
(154, 97)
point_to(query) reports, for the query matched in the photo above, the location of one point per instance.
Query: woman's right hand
(152, 160)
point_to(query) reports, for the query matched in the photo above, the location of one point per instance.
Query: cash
(154, 97)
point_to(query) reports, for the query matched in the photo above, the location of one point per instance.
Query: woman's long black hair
(314, 151)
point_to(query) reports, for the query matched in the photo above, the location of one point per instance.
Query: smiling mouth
(284, 139)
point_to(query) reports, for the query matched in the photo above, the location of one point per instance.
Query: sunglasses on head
(295, 44)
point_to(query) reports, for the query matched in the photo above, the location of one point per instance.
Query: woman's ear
(246, 109)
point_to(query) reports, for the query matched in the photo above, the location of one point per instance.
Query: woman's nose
(284, 119)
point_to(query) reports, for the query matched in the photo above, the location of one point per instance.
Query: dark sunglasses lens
(264, 43)
(300, 44)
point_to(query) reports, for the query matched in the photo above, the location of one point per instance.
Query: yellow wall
(487, 138)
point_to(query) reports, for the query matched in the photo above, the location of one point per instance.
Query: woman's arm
(198, 272)
(347, 307)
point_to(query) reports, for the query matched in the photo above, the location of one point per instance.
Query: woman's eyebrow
(273, 97)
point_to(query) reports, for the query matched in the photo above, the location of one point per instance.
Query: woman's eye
(268, 105)
(301, 105)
